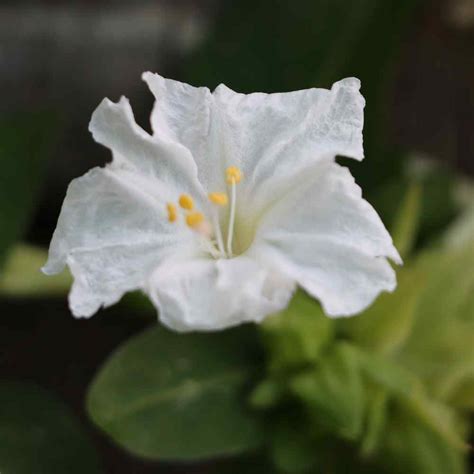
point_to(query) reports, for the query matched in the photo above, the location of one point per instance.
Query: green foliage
(296, 336)
(423, 450)
(405, 227)
(332, 392)
(169, 396)
(440, 348)
(39, 435)
(24, 145)
(423, 200)
(394, 383)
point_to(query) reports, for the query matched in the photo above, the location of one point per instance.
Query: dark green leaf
(39, 435)
(174, 396)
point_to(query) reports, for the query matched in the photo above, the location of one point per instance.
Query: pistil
(234, 176)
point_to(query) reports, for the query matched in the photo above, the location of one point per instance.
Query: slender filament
(232, 216)
(218, 232)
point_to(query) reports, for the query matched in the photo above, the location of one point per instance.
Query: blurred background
(59, 59)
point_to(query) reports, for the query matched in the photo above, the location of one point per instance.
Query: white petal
(112, 232)
(113, 125)
(272, 135)
(181, 112)
(328, 238)
(209, 295)
(266, 135)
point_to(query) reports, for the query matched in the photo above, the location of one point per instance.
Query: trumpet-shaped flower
(232, 202)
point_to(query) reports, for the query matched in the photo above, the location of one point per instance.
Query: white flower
(233, 201)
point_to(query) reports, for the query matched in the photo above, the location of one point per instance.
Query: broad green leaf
(405, 227)
(39, 435)
(25, 142)
(296, 335)
(22, 276)
(178, 396)
(333, 392)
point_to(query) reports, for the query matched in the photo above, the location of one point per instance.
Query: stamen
(233, 175)
(172, 212)
(218, 232)
(194, 219)
(220, 199)
(186, 202)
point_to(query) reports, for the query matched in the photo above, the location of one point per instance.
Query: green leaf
(22, 275)
(267, 393)
(377, 415)
(39, 435)
(405, 227)
(407, 389)
(333, 392)
(297, 335)
(438, 204)
(411, 447)
(174, 396)
(463, 397)
(441, 344)
(25, 141)
(387, 324)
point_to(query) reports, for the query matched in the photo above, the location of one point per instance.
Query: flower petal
(183, 114)
(328, 238)
(112, 232)
(113, 126)
(276, 135)
(266, 135)
(209, 295)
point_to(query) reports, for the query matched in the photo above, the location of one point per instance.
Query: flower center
(212, 233)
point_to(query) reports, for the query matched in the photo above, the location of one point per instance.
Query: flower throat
(197, 221)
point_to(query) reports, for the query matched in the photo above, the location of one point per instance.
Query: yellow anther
(172, 212)
(220, 199)
(186, 202)
(233, 175)
(194, 219)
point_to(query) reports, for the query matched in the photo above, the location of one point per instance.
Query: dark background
(59, 59)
